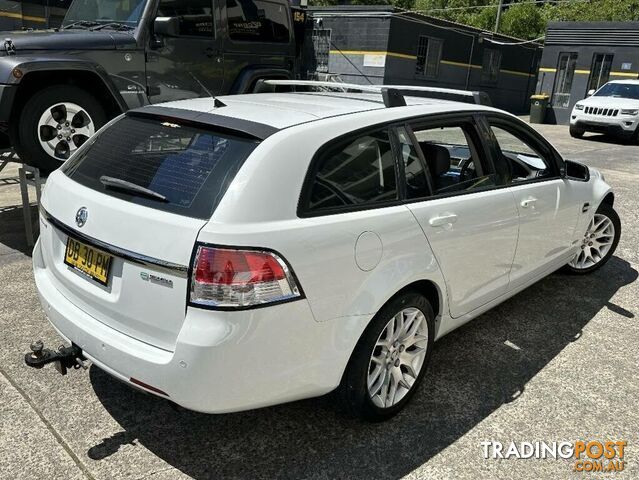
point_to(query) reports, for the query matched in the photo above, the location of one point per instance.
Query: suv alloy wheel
(54, 123)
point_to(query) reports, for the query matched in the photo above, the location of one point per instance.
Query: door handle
(443, 219)
(527, 202)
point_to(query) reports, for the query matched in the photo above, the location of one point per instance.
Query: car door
(546, 203)
(471, 226)
(190, 63)
(258, 34)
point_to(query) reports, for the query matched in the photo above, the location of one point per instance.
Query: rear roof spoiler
(392, 95)
(232, 125)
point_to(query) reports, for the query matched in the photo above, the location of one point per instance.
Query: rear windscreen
(190, 167)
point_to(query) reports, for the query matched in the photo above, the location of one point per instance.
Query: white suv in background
(251, 250)
(613, 109)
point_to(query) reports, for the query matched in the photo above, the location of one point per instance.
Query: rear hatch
(121, 219)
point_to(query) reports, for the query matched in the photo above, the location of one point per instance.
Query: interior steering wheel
(465, 170)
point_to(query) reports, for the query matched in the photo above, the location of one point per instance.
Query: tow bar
(63, 358)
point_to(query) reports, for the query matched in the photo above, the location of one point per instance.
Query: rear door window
(453, 158)
(190, 167)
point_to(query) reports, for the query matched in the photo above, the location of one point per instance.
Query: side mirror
(167, 26)
(576, 171)
(563, 170)
(590, 92)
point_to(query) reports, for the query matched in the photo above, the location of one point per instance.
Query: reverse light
(630, 111)
(579, 106)
(237, 278)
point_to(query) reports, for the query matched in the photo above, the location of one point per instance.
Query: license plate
(92, 262)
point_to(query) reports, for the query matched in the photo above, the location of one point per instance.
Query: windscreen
(621, 90)
(168, 166)
(127, 12)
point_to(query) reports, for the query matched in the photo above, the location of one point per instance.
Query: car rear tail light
(236, 278)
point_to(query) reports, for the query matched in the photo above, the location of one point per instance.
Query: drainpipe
(470, 62)
(501, 5)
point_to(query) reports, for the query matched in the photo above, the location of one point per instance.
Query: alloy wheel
(398, 357)
(596, 243)
(63, 128)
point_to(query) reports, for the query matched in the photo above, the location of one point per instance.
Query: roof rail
(393, 95)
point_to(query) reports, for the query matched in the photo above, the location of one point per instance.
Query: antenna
(217, 103)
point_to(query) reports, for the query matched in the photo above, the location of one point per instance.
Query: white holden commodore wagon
(236, 253)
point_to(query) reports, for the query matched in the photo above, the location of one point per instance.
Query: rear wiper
(81, 24)
(118, 183)
(114, 26)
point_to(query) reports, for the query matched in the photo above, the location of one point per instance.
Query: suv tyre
(54, 123)
(576, 132)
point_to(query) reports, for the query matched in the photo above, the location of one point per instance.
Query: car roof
(287, 109)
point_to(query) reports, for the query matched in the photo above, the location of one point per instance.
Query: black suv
(57, 87)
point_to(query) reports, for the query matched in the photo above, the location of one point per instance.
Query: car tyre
(410, 313)
(576, 132)
(27, 139)
(606, 228)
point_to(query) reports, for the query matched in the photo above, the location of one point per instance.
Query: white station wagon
(233, 253)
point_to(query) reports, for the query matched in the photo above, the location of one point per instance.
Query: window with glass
(357, 172)
(619, 90)
(321, 48)
(600, 70)
(518, 159)
(195, 16)
(453, 160)
(160, 164)
(563, 79)
(258, 21)
(429, 53)
(414, 173)
(113, 14)
(490, 65)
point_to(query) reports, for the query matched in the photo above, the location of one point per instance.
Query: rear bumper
(223, 361)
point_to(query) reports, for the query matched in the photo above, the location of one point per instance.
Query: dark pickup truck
(57, 87)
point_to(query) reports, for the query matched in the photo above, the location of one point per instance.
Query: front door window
(190, 64)
(195, 16)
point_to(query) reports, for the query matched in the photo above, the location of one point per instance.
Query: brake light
(236, 278)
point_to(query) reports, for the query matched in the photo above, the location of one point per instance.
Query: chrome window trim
(139, 259)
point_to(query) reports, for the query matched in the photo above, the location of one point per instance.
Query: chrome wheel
(398, 357)
(63, 128)
(596, 243)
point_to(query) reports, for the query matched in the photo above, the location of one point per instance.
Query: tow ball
(63, 358)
